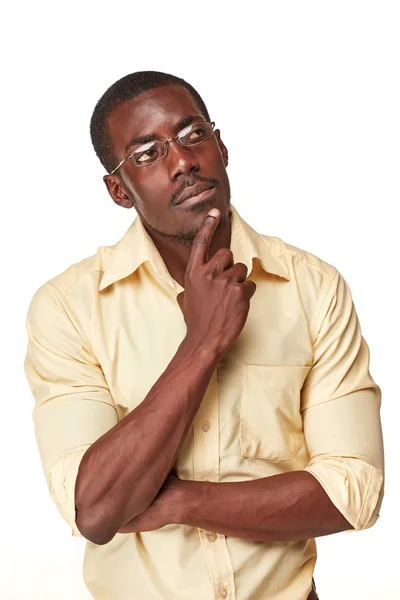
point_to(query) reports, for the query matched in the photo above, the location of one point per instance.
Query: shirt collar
(137, 247)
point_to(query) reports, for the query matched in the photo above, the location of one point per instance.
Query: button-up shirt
(294, 392)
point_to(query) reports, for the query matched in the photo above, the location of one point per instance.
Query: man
(204, 407)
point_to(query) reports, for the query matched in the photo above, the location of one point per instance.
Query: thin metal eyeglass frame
(166, 142)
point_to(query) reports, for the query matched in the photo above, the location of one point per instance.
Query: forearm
(122, 472)
(289, 506)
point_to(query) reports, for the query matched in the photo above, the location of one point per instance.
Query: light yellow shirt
(293, 392)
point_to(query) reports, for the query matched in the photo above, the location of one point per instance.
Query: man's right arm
(122, 472)
(101, 472)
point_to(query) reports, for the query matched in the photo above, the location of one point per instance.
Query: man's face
(154, 189)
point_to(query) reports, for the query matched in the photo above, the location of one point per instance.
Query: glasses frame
(166, 144)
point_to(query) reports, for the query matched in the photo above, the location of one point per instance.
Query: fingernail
(214, 212)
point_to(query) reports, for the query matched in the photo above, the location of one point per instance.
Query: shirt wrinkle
(293, 393)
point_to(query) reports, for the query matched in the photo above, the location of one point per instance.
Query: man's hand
(164, 509)
(216, 300)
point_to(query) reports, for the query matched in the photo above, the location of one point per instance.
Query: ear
(222, 147)
(117, 191)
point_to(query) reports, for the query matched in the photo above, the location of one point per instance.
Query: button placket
(206, 459)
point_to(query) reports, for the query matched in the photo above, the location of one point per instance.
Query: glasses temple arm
(120, 164)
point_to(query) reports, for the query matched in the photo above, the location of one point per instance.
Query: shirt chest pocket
(271, 425)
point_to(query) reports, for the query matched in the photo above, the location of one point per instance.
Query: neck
(175, 252)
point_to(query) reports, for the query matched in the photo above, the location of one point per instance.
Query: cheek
(155, 191)
(152, 190)
(145, 181)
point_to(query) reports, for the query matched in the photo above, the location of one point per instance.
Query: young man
(204, 407)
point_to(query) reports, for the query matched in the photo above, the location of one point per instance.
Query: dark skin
(152, 190)
(215, 305)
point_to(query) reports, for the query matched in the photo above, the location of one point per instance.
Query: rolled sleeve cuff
(354, 486)
(61, 483)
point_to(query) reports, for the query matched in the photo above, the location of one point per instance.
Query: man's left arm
(289, 506)
(342, 486)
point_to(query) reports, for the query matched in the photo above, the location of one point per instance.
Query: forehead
(155, 111)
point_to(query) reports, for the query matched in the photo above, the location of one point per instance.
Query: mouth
(203, 195)
(193, 190)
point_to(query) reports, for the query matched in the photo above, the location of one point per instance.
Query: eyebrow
(143, 139)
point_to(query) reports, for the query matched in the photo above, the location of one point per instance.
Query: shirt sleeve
(341, 411)
(73, 405)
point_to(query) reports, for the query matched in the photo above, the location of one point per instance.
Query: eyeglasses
(152, 152)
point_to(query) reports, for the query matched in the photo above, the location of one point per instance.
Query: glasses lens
(196, 133)
(149, 153)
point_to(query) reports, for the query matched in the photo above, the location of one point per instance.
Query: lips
(193, 191)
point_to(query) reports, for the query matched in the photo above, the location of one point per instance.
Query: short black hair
(124, 89)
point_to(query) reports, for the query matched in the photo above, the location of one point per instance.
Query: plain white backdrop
(306, 95)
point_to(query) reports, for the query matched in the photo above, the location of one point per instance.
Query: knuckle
(222, 257)
(251, 286)
(237, 290)
(241, 265)
(241, 268)
(224, 253)
(199, 239)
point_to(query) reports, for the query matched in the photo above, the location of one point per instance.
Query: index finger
(202, 239)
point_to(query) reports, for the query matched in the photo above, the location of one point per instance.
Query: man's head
(155, 105)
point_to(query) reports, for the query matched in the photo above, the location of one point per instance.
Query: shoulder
(87, 271)
(70, 294)
(314, 282)
(80, 276)
(302, 265)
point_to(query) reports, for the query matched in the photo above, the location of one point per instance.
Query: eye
(195, 134)
(146, 153)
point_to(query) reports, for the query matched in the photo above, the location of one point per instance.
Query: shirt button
(224, 593)
(206, 426)
(212, 536)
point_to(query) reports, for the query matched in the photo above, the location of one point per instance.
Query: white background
(306, 95)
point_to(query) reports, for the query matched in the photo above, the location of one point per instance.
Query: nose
(181, 160)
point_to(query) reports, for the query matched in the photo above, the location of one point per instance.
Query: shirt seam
(366, 494)
(302, 258)
(88, 343)
(72, 286)
(322, 297)
(63, 297)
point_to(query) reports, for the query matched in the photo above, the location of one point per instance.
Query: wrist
(192, 494)
(201, 350)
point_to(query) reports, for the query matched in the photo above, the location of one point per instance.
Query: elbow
(354, 486)
(98, 530)
(96, 534)
(86, 519)
(98, 538)
(91, 520)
